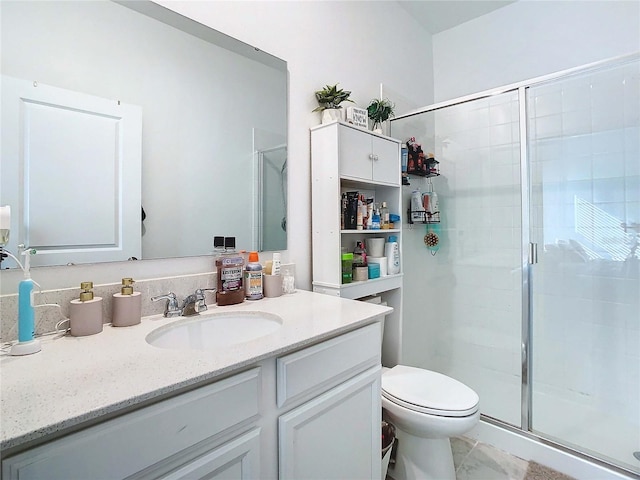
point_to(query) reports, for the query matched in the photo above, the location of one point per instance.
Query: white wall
(531, 38)
(358, 44)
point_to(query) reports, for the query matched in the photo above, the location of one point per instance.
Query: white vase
(331, 115)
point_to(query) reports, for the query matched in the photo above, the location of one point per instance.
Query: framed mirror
(130, 131)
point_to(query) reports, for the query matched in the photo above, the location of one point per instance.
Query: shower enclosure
(271, 188)
(533, 299)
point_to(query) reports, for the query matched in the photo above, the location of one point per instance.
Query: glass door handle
(533, 253)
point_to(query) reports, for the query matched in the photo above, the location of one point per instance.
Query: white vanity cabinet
(310, 413)
(192, 431)
(335, 432)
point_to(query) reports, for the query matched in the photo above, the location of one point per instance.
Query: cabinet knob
(372, 156)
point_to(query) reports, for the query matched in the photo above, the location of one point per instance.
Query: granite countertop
(74, 380)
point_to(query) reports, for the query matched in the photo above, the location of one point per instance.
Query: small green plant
(331, 97)
(380, 111)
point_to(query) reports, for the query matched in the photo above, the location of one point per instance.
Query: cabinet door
(336, 435)
(237, 459)
(386, 161)
(355, 153)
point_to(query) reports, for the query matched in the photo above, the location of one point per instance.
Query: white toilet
(427, 408)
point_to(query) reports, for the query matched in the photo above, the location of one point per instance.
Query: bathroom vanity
(300, 402)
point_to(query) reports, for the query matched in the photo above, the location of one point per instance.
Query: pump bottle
(127, 305)
(85, 313)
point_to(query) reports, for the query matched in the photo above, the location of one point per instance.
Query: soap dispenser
(127, 305)
(85, 313)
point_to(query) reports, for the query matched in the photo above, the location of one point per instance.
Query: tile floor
(478, 461)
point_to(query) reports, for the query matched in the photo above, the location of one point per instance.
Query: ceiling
(439, 15)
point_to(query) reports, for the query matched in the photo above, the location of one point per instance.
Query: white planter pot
(332, 114)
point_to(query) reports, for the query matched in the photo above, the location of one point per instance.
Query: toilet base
(419, 458)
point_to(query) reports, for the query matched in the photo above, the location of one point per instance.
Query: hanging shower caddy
(424, 215)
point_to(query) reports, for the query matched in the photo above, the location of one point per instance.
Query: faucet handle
(171, 308)
(201, 306)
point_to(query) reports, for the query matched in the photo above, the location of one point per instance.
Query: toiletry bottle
(276, 263)
(343, 211)
(433, 203)
(253, 278)
(392, 252)
(218, 246)
(85, 313)
(127, 305)
(384, 216)
(359, 255)
(347, 267)
(369, 213)
(417, 207)
(229, 268)
(375, 221)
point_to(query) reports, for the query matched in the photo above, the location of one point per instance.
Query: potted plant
(329, 100)
(380, 110)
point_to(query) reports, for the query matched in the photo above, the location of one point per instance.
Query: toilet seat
(428, 392)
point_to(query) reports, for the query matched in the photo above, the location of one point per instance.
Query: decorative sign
(358, 117)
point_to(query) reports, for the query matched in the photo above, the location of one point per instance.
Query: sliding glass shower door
(584, 154)
(463, 306)
(533, 298)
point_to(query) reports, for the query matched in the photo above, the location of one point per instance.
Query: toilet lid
(428, 392)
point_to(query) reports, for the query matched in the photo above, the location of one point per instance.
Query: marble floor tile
(485, 462)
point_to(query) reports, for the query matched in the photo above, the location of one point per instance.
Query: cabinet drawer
(123, 446)
(321, 367)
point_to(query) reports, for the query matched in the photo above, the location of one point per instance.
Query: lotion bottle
(85, 313)
(276, 263)
(127, 305)
(392, 252)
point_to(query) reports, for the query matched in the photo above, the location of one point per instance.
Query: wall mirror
(130, 131)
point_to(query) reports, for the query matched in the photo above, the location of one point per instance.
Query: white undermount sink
(210, 331)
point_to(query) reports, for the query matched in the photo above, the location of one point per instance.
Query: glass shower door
(584, 152)
(465, 302)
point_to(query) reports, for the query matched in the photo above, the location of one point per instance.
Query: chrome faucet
(195, 303)
(171, 308)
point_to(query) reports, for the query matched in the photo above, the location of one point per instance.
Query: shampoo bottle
(85, 313)
(127, 305)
